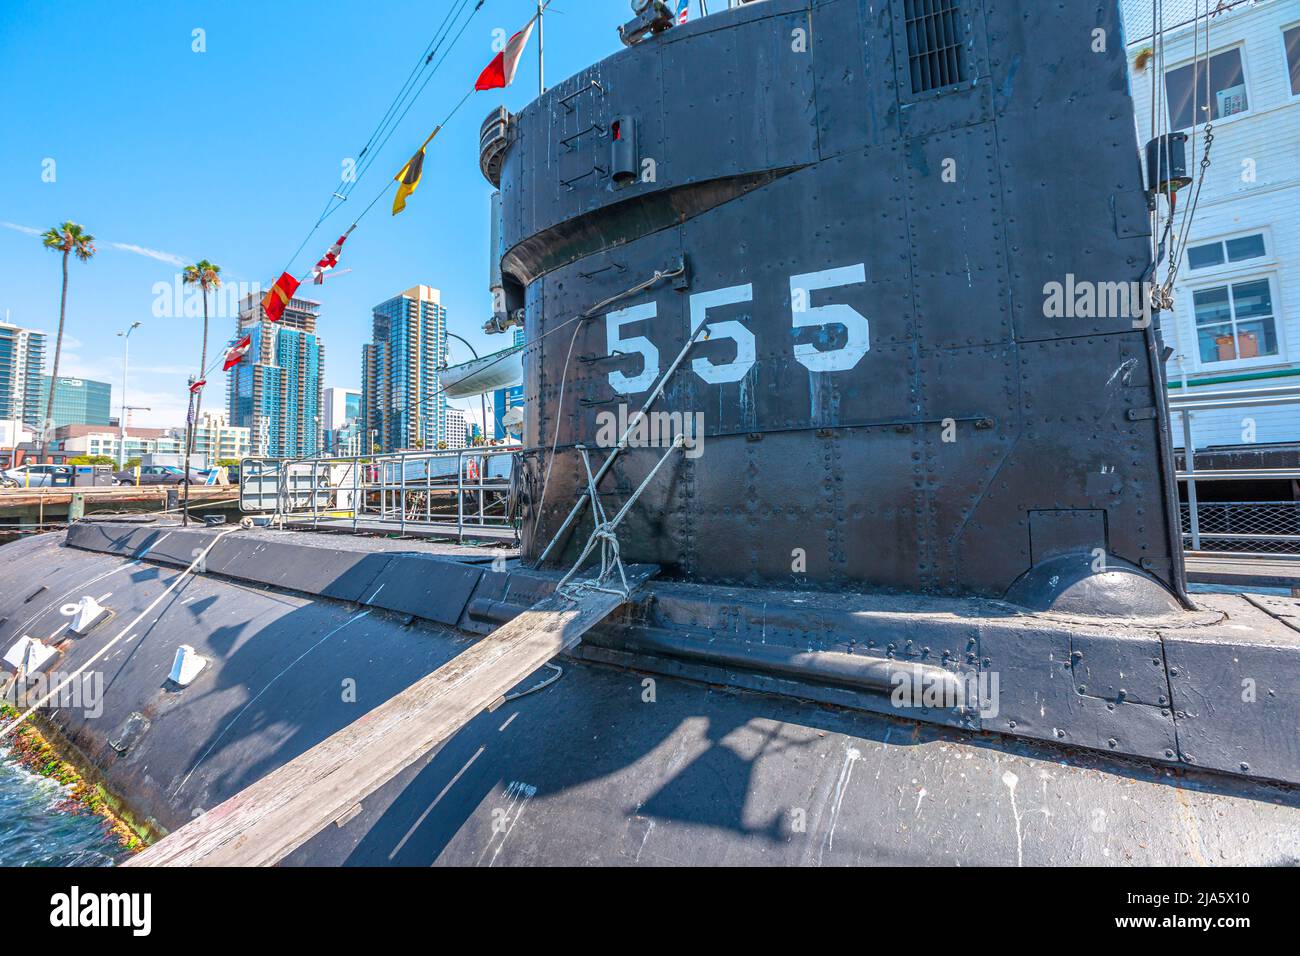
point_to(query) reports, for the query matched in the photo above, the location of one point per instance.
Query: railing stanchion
(1189, 456)
(460, 497)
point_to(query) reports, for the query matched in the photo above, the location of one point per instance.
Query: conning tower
(916, 233)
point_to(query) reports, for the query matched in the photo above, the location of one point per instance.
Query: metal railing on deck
(460, 493)
(1236, 527)
(1252, 527)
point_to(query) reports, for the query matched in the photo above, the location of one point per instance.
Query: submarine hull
(587, 770)
(885, 394)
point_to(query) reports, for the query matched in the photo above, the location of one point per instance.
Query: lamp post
(121, 424)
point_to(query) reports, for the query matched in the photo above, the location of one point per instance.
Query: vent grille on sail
(934, 43)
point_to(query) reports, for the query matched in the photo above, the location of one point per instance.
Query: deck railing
(1234, 527)
(461, 493)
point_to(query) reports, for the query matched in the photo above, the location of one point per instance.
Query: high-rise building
(457, 431)
(342, 415)
(504, 399)
(402, 404)
(22, 360)
(275, 390)
(78, 401)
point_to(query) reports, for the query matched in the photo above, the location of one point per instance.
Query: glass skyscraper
(78, 401)
(504, 399)
(275, 390)
(22, 360)
(342, 432)
(402, 404)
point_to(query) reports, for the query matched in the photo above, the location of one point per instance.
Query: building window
(1292, 40)
(1221, 252)
(1185, 88)
(1235, 321)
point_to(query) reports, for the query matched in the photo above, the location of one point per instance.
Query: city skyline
(109, 161)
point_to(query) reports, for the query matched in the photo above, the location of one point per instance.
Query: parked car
(36, 476)
(159, 475)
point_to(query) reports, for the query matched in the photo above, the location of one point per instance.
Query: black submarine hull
(887, 396)
(829, 538)
(607, 765)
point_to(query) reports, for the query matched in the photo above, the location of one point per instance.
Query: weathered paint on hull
(887, 401)
(589, 770)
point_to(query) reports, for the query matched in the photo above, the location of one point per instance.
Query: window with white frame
(1235, 321)
(1291, 38)
(1221, 252)
(1193, 88)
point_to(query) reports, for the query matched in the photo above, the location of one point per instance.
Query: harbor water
(41, 826)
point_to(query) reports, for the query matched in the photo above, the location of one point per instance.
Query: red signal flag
(275, 301)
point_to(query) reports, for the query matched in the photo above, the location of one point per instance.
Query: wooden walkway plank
(1240, 570)
(265, 822)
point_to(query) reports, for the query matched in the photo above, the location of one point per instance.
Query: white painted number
(854, 322)
(746, 353)
(804, 315)
(633, 345)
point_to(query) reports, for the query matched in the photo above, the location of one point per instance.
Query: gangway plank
(265, 822)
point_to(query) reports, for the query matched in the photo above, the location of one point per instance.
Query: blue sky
(168, 155)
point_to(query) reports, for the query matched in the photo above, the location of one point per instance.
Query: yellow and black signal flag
(409, 177)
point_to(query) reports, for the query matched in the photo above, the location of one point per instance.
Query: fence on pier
(1235, 527)
(461, 493)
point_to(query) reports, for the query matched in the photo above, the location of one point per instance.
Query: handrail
(397, 489)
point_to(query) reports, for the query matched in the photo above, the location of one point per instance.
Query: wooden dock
(1244, 570)
(41, 505)
(270, 819)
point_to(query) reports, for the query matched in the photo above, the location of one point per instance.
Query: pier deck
(1265, 571)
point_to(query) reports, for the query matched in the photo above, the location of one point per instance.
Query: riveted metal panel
(957, 239)
(755, 109)
(938, 219)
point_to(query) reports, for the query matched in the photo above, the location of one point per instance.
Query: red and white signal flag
(331, 257)
(501, 71)
(236, 352)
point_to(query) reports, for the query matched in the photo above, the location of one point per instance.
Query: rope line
(371, 150)
(13, 724)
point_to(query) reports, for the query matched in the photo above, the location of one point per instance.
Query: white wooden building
(1237, 298)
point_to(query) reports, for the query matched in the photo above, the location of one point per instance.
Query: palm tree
(207, 277)
(67, 238)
